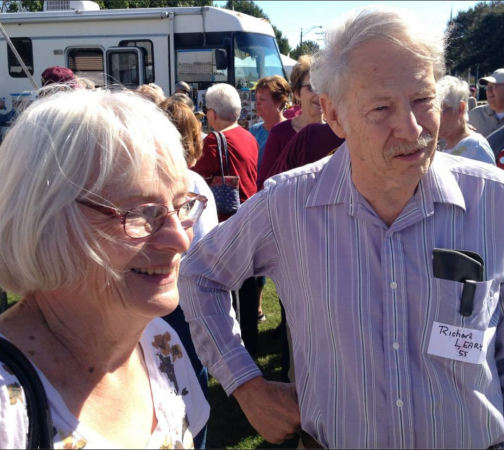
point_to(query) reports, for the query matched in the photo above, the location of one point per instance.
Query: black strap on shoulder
(222, 148)
(40, 428)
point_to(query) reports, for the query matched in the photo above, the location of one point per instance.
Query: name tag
(461, 344)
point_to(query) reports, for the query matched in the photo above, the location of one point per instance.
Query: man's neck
(387, 201)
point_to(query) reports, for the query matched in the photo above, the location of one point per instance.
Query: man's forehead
(379, 62)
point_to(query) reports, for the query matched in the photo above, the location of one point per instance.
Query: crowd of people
(373, 204)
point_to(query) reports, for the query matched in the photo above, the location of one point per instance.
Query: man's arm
(271, 408)
(237, 249)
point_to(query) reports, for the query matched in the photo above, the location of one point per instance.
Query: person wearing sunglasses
(94, 216)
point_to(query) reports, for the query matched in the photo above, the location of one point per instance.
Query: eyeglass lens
(147, 219)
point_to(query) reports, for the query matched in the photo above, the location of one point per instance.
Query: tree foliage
(475, 39)
(115, 4)
(21, 5)
(250, 8)
(306, 48)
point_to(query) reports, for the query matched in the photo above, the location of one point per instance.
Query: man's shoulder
(480, 111)
(466, 168)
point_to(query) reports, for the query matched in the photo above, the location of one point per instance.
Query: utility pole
(309, 31)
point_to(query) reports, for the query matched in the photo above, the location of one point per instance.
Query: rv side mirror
(221, 62)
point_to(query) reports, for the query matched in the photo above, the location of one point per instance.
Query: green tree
(250, 8)
(474, 39)
(306, 48)
(115, 4)
(21, 5)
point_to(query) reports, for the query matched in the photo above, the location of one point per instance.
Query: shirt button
(399, 403)
(393, 285)
(395, 346)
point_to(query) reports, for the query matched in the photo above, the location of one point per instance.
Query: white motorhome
(130, 47)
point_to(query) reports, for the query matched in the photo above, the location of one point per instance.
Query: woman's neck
(90, 336)
(271, 120)
(305, 118)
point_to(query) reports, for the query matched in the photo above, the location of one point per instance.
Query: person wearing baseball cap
(489, 117)
(182, 88)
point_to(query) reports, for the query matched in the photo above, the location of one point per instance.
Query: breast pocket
(448, 295)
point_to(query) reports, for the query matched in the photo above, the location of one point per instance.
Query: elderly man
(388, 258)
(487, 118)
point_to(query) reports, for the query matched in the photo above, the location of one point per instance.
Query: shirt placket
(395, 339)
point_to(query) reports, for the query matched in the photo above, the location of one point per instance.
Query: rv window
(25, 50)
(148, 52)
(123, 68)
(207, 64)
(255, 56)
(87, 63)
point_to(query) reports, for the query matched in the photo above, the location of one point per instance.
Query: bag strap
(218, 138)
(223, 148)
(40, 428)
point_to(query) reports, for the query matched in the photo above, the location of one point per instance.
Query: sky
(290, 17)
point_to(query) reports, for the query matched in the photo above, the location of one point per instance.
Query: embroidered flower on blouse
(70, 443)
(15, 393)
(176, 352)
(162, 342)
(168, 355)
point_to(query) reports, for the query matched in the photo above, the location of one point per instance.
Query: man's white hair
(329, 72)
(69, 146)
(224, 100)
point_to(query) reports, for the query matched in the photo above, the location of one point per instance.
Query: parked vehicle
(130, 47)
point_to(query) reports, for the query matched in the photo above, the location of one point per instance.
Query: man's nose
(407, 126)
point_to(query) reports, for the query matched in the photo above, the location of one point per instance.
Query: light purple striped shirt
(361, 299)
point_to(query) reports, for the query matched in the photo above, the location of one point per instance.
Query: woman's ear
(332, 115)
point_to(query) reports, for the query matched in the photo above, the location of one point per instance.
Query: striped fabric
(361, 299)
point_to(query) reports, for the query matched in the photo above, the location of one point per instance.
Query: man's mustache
(405, 148)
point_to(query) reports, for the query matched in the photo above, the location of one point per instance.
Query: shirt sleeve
(242, 247)
(208, 164)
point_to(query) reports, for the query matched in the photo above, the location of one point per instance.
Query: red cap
(58, 74)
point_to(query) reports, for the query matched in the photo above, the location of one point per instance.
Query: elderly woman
(223, 107)
(271, 96)
(283, 132)
(94, 217)
(453, 95)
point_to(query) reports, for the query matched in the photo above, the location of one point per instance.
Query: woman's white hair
(451, 91)
(224, 100)
(329, 71)
(68, 146)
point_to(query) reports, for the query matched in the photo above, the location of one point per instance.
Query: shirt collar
(335, 185)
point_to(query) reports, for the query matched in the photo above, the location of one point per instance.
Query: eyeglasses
(205, 109)
(307, 86)
(146, 219)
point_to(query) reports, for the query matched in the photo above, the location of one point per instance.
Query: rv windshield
(255, 56)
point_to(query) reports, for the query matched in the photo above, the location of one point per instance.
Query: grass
(228, 426)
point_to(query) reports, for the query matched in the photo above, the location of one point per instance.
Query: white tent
(288, 64)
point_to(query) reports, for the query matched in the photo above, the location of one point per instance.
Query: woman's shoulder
(283, 127)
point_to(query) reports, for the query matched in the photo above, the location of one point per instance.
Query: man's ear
(332, 115)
